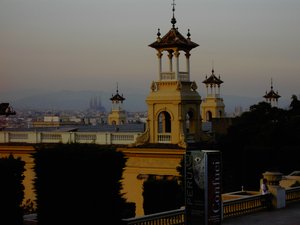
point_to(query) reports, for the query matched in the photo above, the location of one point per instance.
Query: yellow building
(212, 105)
(117, 115)
(173, 122)
(173, 103)
(173, 119)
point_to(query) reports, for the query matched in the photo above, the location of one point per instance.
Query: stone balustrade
(102, 138)
(236, 204)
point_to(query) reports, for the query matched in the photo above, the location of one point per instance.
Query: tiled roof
(117, 97)
(174, 39)
(272, 94)
(212, 79)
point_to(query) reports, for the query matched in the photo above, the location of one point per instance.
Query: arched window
(208, 116)
(220, 113)
(164, 122)
(189, 121)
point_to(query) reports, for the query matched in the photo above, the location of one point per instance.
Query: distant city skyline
(56, 45)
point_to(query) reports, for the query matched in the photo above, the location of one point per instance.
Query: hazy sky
(92, 44)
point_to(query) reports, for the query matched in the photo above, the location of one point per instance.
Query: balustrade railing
(86, 137)
(173, 217)
(33, 137)
(182, 76)
(18, 136)
(231, 208)
(167, 76)
(244, 205)
(46, 137)
(292, 194)
(164, 138)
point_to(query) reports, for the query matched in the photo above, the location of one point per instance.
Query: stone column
(187, 55)
(177, 53)
(170, 55)
(159, 55)
(278, 193)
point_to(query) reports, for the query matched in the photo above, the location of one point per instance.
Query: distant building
(272, 96)
(238, 110)
(47, 121)
(117, 115)
(96, 104)
(173, 102)
(57, 121)
(212, 105)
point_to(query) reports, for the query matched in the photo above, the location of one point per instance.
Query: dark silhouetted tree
(161, 195)
(12, 190)
(79, 184)
(264, 138)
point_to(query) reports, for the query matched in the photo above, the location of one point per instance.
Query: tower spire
(173, 20)
(271, 83)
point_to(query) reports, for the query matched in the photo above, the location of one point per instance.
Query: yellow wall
(117, 117)
(176, 98)
(24, 152)
(214, 105)
(140, 161)
(147, 161)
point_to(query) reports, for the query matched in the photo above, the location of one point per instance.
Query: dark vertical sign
(203, 187)
(214, 191)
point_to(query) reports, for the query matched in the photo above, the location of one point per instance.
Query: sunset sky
(53, 45)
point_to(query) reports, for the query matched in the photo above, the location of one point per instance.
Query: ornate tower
(212, 106)
(117, 115)
(272, 96)
(173, 103)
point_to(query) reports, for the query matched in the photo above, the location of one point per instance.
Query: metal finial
(173, 4)
(173, 20)
(272, 84)
(189, 34)
(158, 33)
(117, 87)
